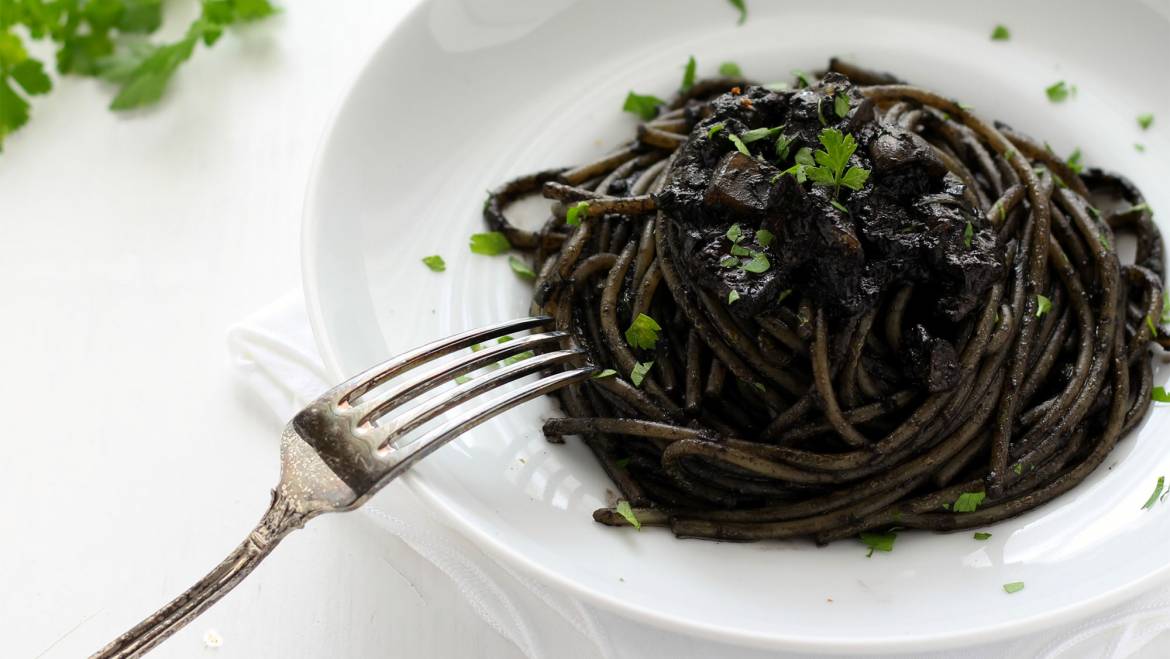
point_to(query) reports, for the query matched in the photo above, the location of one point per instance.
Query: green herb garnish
(623, 508)
(1013, 587)
(1000, 33)
(1043, 305)
(732, 297)
(739, 4)
(878, 541)
(841, 105)
(739, 144)
(784, 295)
(576, 212)
(968, 234)
(1018, 468)
(639, 372)
(521, 268)
(688, 80)
(729, 262)
(643, 332)
(1159, 395)
(643, 105)
(435, 263)
(832, 161)
(1058, 92)
(730, 70)
(508, 361)
(1156, 493)
(968, 502)
(1166, 307)
(715, 128)
(759, 263)
(490, 243)
(1139, 147)
(982, 535)
(782, 144)
(839, 206)
(759, 134)
(765, 237)
(605, 373)
(740, 250)
(1074, 162)
(734, 233)
(802, 78)
(1145, 120)
(1153, 329)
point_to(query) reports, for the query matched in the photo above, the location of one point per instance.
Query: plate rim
(500, 550)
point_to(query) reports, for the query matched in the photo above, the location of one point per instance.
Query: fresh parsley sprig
(832, 162)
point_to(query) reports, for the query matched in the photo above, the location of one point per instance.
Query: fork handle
(279, 520)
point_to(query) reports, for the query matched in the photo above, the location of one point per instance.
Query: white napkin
(275, 354)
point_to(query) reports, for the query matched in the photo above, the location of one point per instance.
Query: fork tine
(427, 444)
(382, 402)
(376, 375)
(385, 434)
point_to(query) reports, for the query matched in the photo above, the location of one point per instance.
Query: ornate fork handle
(279, 520)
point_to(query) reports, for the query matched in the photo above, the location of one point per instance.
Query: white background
(132, 460)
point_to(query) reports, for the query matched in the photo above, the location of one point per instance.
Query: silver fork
(341, 449)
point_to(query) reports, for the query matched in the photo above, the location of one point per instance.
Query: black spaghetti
(842, 307)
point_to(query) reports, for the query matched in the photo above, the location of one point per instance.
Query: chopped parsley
(739, 144)
(732, 297)
(734, 233)
(841, 105)
(1139, 208)
(832, 161)
(1145, 120)
(968, 502)
(715, 128)
(1074, 162)
(878, 541)
(435, 263)
(688, 80)
(1155, 494)
(765, 237)
(576, 212)
(645, 106)
(1013, 587)
(1058, 92)
(521, 268)
(639, 372)
(740, 250)
(1000, 33)
(759, 134)
(643, 332)
(729, 262)
(1043, 305)
(1159, 395)
(968, 234)
(490, 243)
(759, 263)
(839, 206)
(783, 142)
(606, 373)
(784, 295)
(624, 509)
(982, 535)
(508, 361)
(742, 7)
(1018, 468)
(1153, 329)
(802, 79)
(730, 70)
(1139, 147)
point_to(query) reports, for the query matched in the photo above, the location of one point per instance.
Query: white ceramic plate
(466, 94)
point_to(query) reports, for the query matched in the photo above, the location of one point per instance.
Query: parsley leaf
(783, 294)
(782, 144)
(730, 70)
(645, 106)
(1139, 147)
(1145, 120)
(1156, 493)
(1013, 587)
(839, 206)
(732, 296)
(765, 237)
(508, 361)
(1057, 92)
(715, 128)
(1153, 329)
(878, 541)
(1043, 305)
(1018, 468)
(576, 212)
(1166, 307)
(758, 264)
(606, 373)
(1074, 162)
(624, 509)
(490, 243)
(968, 502)
(742, 7)
(688, 80)
(759, 134)
(841, 105)
(739, 144)
(639, 372)
(643, 332)
(982, 535)
(734, 233)
(802, 78)
(1000, 33)
(832, 160)
(968, 234)
(729, 262)
(521, 268)
(30, 75)
(435, 263)
(1159, 395)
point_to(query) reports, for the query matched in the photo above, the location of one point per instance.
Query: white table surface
(133, 460)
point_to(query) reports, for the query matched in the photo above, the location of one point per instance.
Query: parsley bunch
(106, 39)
